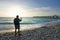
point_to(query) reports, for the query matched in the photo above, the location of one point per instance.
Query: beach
(51, 31)
(30, 19)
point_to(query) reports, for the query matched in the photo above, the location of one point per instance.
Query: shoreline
(47, 32)
(32, 28)
(43, 33)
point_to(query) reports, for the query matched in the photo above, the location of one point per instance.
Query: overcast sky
(29, 8)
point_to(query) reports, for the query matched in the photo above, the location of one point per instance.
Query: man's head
(17, 16)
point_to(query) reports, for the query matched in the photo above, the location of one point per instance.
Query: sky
(29, 8)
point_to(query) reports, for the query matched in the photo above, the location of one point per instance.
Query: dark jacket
(16, 21)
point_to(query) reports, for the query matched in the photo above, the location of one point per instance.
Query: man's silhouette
(17, 24)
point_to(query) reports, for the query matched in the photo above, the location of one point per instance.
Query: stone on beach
(43, 33)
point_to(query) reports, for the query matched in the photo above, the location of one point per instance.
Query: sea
(6, 23)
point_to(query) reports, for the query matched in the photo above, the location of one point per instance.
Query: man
(17, 24)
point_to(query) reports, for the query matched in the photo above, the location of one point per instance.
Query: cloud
(43, 11)
(29, 12)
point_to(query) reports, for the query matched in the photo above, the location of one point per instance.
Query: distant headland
(54, 16)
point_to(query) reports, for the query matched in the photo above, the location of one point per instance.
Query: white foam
(30, 26)
(52, 23)
(27, 26)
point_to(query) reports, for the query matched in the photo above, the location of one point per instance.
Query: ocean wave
(25, 26)
(20, 23)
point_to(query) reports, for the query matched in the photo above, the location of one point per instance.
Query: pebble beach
(47, 32)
